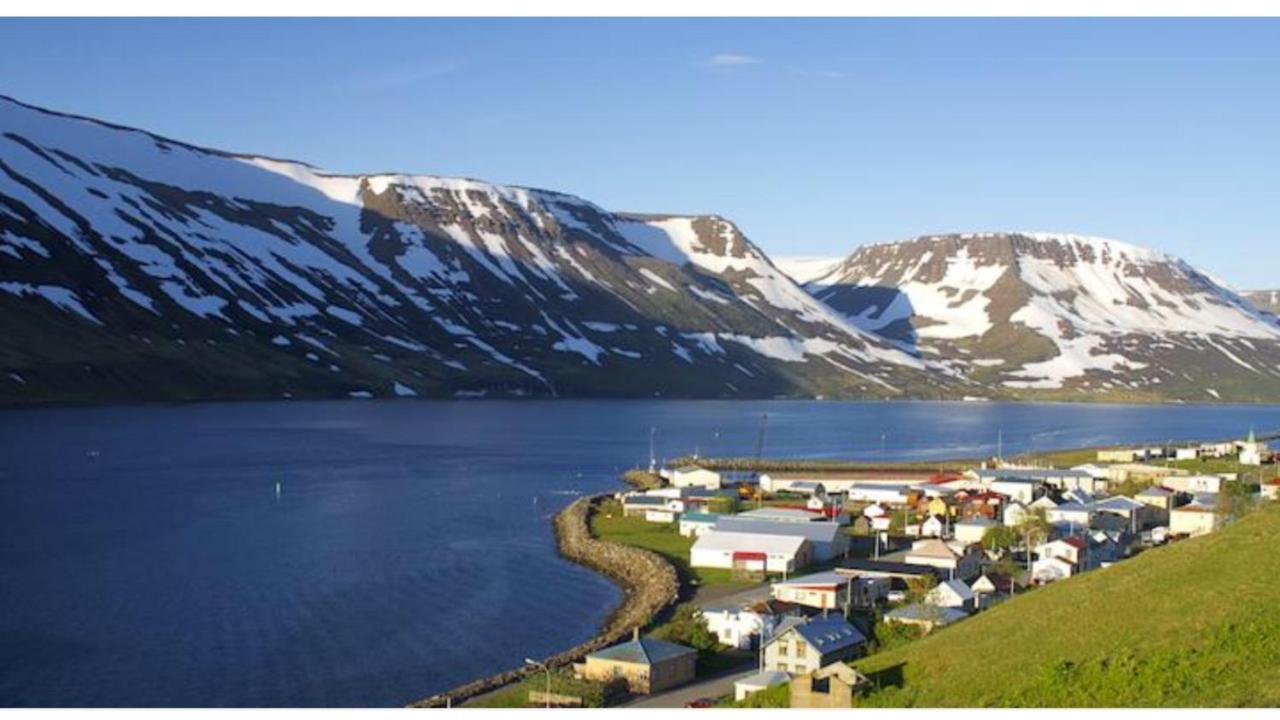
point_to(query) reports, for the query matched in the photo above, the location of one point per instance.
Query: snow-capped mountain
(1268, 300)
(137, 267)
(805, 268)
(1060, 315)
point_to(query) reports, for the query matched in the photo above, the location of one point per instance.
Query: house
(1014, 514)
(639, 504)
(827, 540)
(1074, 514)
(1050, 569)
(693, 524)
(1187, 453)
(1122, 455)
(801, 646)
(989, 587)
(978, 503)
(1095, 480)
(824, 590)
(933, 526)
(973, 530)
(1271, 489)
(805, 487)
(660, 515)
(884, 494)
(1159, 502)
(1023, 490)
(1218, 450)
(956, 560)
(925, 616)
(1133, 512)
(780, 514)
(753, 684)
(830, 687)
(741, 624)
(1194, 483)
(1073, 549)
(689, 476)
(646, 665)
(749, 551)
(951, 594)
(840, 481)
(1198, 517)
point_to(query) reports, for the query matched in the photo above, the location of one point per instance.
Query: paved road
(710, 688)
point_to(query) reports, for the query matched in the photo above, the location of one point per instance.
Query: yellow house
(646, 665)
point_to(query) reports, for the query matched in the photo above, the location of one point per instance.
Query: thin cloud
(396, 77)
(731, 60)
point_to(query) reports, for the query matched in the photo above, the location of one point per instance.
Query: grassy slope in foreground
(1196, 623)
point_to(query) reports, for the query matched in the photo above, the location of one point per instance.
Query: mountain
(1192, 624)
(1268, 300)
(802, 269)
(1040, 315)
(136, 267)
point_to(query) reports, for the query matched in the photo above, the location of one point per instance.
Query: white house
(824, 591)
(1014, 514)
(1072, 549)
(1051, 569)
(1194, 483)
(739, 626)
(932, 527)
(750, 551)
(972, 531)
(1187, 453)
(799, 647)
(1018, 489)
(1194, 518)
(694, 476)
(951, 594)
(954, 558)
(763, 680)
(1271, 489)
(827, 539)
(660, 515)
(1070, 514)
(1253, 452)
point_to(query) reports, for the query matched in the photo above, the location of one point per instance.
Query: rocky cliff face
(1055, 315)
(136, 267)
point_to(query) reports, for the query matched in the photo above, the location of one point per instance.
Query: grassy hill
(1196, 623)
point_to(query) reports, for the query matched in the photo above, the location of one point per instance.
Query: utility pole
(653, 458)
(545, 667)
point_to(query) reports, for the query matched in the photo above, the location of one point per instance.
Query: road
(713, 687)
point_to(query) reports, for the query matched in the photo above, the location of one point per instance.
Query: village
(796, 573)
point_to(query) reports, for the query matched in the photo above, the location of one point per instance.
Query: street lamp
(535, 663)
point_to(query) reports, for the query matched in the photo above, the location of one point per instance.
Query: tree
(1033, 529)
(1000, 538)
(920, 587)
(688, 627)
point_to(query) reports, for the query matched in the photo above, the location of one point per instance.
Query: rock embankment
(649, 585)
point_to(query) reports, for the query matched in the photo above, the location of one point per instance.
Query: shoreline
(649, 585)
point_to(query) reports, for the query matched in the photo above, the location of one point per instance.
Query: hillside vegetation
(1196, 623)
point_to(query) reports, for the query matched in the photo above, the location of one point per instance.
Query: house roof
(1028, 473)
(976, 522)
(1157, 491)
(816, 531)
(1119, 502)
(826, 635)
(700, 517)
(768, 678)
(718, 539)
(645, 651)
(887, 567)
(916, 611)
(830, 577)
(1075, 542)
(933, 548)
(961, 590)
(645, 500)
(780, 514)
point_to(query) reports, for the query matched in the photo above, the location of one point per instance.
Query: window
(782, 649)
(801, 648)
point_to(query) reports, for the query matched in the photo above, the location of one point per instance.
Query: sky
(814, 136)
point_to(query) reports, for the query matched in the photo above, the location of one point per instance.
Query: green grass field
(1195, 623)
(516, 695)
(662, 538)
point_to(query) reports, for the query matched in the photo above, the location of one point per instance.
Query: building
(973, 530)
(839, 481)
(1122, 455)
(1023, 490)
(827, 539)
(692, 476)
(780, 514)
(1135, 513)
(741, 624)
(1194, 518)
(694, 524)
(1193, 484)
(802, 646)
(990, 587)
(1073, 514)
(925, 616)
(830, 687)
(1051, 569)
(1271, 489)
(1187, 453)
(750, 551)
(951, 594)
(824, 590)
(1253, 452)
(954, 559)
(753, 684)
(646, 665)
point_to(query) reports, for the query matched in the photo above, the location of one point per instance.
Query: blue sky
(814, 135)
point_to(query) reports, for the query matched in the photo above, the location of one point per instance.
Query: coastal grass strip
(649, 585)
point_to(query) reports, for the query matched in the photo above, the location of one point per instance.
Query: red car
(701, 703)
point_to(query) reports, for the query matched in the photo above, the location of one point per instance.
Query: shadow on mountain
(880, 309)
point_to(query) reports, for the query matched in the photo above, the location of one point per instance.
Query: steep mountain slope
(137, 267)
(1268, 300)
(802, 269)
(1196, 623)
(1065, 316)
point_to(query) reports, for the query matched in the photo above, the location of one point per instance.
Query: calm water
(146, 560)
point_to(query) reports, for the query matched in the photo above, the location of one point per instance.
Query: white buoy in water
(277, 490)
